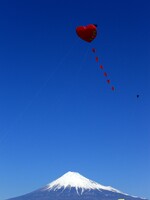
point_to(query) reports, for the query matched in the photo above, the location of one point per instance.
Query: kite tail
(104, 72)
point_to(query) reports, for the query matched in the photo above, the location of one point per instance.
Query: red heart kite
(87, 33)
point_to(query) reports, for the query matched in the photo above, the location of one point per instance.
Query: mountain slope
(75, 180)
(73, 186)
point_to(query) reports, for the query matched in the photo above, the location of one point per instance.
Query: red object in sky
(113, 88)
(87, 33)
(93, 50)
(101, 67)
(108, 81)
(105, 74)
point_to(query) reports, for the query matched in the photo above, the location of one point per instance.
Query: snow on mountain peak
(77, 181)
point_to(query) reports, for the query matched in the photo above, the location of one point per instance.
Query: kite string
(4, 133)
(102, 68)
(84, 59)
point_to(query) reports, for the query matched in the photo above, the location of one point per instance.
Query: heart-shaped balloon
(87, 33)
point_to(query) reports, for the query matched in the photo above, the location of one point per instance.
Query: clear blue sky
(57, 113)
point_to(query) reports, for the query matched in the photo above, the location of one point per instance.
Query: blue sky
(57, 113)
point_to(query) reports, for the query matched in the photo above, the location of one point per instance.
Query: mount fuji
(73, 186)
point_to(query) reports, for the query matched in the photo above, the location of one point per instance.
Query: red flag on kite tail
(105, 74)
(108, 81)
(101, 67)
(96, 59)
(93, 50)
(112, 88)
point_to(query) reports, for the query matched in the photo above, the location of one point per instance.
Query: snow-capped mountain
(73, 186)
(75, 180)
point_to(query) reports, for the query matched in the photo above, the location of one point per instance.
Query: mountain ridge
(74, 179)
(73, 186)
